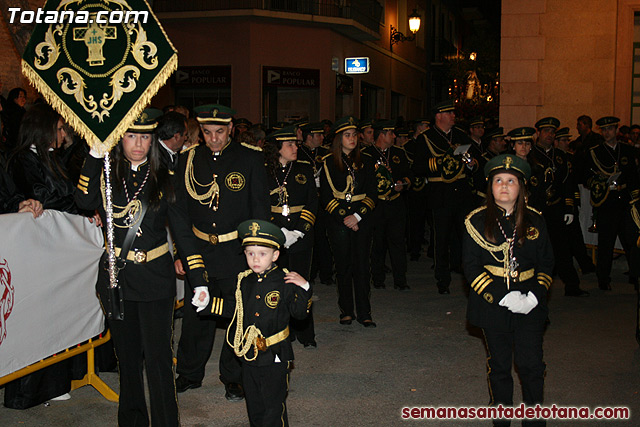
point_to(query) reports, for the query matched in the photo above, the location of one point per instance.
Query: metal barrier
(90, 378)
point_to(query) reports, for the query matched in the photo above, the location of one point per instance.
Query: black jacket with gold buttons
(221, 191)
(268, 303)
(340, 196)
(300, 198)
(485, 273)
(154, 278)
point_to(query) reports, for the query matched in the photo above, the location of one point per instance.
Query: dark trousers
(388, 233)
(322, 264)
(265, 390)
(578, 248)
(145, 336)
(448, 221)
(197, 337)
(417, 214)
(525, 345)
(560, 236)
(614, 220)
(351, 250)
(300, 262)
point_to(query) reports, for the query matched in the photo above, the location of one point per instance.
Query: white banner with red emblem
(48, 272)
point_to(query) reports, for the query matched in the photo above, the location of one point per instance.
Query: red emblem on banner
(6, 298)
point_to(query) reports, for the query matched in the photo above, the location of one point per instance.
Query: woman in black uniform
(347, 192)
(508, 260)
(294, 204)
(148, 278)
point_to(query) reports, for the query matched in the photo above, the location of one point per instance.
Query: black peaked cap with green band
(507, 163)
(260, 233)
(214, 114)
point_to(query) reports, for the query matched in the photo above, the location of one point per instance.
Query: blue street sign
(356, 65)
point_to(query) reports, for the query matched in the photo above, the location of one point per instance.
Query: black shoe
(368, 323)
(311, 344)
(379, 285)
(443, 289)
(404, 287)
(346, 320)
(183, 384)
(604, 286)
(576, 293)
(233, 392)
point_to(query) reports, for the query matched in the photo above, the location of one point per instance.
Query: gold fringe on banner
(80, 127)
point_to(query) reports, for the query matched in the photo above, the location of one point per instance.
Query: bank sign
(356, 65)
(291, 77)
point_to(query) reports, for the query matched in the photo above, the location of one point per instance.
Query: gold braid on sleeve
(243, 340)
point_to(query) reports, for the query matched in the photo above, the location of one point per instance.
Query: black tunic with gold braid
(484, 270)
(389, 216)
(294, 206)
(342, 193)
(154, 277)
(449, 196)
(222, 191)
(612, 198)
(509, 336)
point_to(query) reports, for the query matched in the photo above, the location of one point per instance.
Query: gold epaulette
(534, 210)
(473, 212)
(304, 161)
(366, 154)
(253, 147)
(326, 156)
(186, 150)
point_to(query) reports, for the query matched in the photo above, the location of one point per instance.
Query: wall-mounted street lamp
(414, 26)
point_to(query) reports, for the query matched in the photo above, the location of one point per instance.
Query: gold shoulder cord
(597, 163)
(491, 248)
(243, 340)
(212, 196)
(339, 194)
(133, 206)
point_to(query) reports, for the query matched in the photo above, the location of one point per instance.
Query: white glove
(201, 303)
(568, 219)
(516, 302)
(290, 237)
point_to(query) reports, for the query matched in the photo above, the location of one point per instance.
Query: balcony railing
(366, 12)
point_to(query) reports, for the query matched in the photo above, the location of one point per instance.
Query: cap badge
(215, 112)
(254, 229)
(507, 162)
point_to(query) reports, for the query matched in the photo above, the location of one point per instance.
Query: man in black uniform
(613, 183)
(365, 128)
(393, 175)
(172, 134)
(312, 151)
(226, 183)
(417, 198)
(552, 192)
(449, 192)
(576, 240)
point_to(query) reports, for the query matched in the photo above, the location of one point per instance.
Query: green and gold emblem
(100, 71)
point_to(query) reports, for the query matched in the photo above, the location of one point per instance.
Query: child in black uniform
(265, 301)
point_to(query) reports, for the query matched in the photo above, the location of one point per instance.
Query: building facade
(566, 58)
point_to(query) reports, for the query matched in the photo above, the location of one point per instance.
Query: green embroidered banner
(98, 64)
